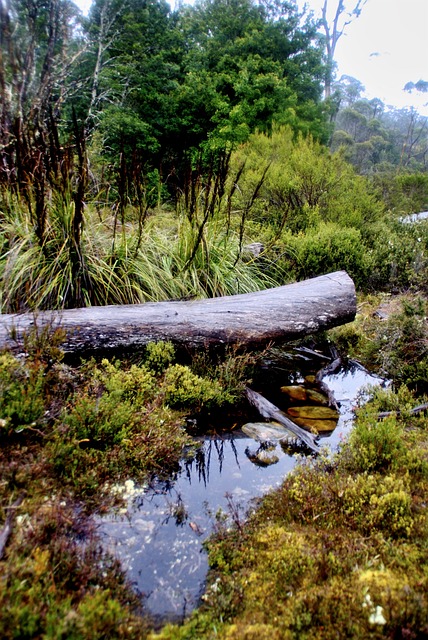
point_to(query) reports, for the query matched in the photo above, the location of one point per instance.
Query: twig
(413, 412)
(8, 525)
(270, 411)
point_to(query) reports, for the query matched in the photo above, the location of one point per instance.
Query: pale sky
(386, 47)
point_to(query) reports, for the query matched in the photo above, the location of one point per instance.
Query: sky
(384, 48)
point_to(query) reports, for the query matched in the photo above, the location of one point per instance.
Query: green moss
(340, 550)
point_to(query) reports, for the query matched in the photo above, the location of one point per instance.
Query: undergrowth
(71, 442)
(340, 550)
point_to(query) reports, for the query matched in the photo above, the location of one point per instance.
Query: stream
(158, 536)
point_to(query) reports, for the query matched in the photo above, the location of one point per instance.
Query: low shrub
(325, 248)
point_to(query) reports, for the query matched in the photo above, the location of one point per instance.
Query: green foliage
(401, 346)
(326, 248)
(22, 388)
(159, 355)
(182, 387)
(184, 258)
(337, 550)
(376, 445)
(403, 193)
(394, 346)
(373, 138)
(399, 255)
(304, 184)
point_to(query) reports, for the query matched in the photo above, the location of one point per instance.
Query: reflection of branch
(332, 367)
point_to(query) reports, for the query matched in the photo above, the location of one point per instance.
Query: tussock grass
(118, 265)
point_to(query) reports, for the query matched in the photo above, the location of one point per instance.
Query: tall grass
(171, 257)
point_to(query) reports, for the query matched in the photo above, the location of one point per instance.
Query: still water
(159, 536)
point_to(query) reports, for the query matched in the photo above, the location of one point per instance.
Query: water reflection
(159, 538)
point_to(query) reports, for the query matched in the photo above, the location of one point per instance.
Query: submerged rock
(265, 431)
(320, 426)
(301, 394)
(262, 457)
(317, 413)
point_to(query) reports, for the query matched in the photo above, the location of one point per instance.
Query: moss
(340, 550)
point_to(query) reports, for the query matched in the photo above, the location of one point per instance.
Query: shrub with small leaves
(159, 355)
(21, 392)
(182, 387)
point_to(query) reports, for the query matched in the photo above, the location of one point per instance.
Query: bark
(272, 315)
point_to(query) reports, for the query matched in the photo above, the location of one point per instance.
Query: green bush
(22, 388)
(328, 247)
(184, 388)
(159, 355)
(398, 254)
(304, 184)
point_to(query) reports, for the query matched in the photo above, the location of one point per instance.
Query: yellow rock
(320, 426)
(315, 413)
(295, 392)
(301, 394)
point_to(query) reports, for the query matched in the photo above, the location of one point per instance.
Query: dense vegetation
(141, 151)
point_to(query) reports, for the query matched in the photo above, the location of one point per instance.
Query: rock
(320, 426)
(301, 394)
(254, 249)
(263, 431)
(264, 458)
(313, 412)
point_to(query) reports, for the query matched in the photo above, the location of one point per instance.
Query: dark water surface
(158, 537)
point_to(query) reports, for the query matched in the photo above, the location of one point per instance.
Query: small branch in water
(270, 411)
(413, 412)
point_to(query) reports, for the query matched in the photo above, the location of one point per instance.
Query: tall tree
(336, 16)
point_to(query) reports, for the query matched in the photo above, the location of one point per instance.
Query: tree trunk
(272, 315)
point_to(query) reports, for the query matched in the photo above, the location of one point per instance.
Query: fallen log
(278, 314)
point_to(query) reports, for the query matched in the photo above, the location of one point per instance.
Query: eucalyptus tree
(336, 16)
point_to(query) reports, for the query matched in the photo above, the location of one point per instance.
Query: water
(415, 217)
(159, 535)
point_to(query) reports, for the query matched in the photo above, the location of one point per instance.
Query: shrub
(159, 355)
(326, 248)
(22, 388)
(182, 387)
(398, 255)
(304, 183)
(376, 445)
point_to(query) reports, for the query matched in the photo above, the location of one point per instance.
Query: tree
(37, 52)
(334, 25)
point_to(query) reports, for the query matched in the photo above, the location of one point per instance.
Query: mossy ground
(339, 551)
(68, 436)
